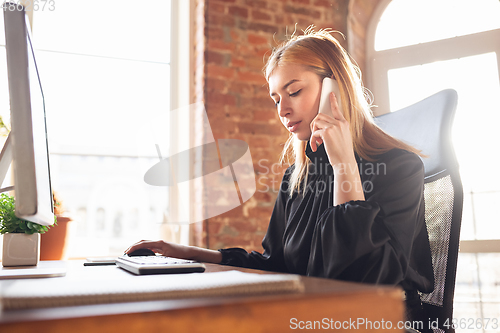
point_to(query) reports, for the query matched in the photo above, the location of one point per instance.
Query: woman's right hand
(161, 247)
(178, 251)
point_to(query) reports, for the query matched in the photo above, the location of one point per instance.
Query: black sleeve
(272, 259)
(371, 241)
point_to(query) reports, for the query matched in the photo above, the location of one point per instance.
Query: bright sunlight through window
(105, 70)
(415, 22)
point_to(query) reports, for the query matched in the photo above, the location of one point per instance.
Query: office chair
(426, 125)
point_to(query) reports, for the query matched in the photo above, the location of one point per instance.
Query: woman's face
(296, 92)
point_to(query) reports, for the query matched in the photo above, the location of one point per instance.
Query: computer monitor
(27, 144)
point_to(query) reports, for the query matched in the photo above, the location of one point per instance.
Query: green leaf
(10, 223)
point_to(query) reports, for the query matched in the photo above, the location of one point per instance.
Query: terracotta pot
(54, 241)
(21, 249)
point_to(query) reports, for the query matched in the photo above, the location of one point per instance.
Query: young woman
(351, 206)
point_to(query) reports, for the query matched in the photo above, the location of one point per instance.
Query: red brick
(239, 114)
(217, 8)
(233, 213)
(245, 228)
(257, 39)
(258, 3)
(238, 11)
(263, 197)
(220, 99)
(258, 102)
(216, 84)
(262, 27)
(252, 128)
(217, 58)
(260, 212)
(220, 72)
(215, 44)
(297, 10)
(241, 88)
(256, 63)
(238, 62)
(259, 142)
(220, 20)
(260, 15)
(248, 50)
(234, 35)
(324, 3)
(263, 91)
(315, 14)
(279, 19)
(265, 115)
(247, 76)
(262, 52)
(215, 32)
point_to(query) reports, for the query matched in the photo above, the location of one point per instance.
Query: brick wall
(238, 36)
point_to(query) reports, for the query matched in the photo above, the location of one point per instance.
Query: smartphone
(329, 85)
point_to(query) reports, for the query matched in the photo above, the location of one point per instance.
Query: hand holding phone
(329, 85)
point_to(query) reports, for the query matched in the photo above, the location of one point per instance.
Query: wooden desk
(328, 302)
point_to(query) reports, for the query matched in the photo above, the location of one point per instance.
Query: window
(417, 48)
(105, 68)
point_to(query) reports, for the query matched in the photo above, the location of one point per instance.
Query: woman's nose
(283, 108)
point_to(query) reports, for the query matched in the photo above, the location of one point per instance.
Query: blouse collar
(320, 165)
(319, 156)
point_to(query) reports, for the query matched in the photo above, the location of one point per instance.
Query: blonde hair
(320, 52)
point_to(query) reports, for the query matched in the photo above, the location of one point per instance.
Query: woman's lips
(292, 126)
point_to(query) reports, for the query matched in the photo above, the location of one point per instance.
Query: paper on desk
(37, 293)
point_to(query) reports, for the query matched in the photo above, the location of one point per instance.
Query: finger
(312, 143)
(315, 126)
(139, 245)
(318, 125)
(334, 102)
(131, 247)
(311, 125)
(322, 123)
(316, 139)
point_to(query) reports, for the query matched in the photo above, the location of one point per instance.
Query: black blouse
(380, 240)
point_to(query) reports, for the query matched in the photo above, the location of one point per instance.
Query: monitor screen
(30, 155)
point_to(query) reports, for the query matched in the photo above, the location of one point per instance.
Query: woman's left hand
(335, 134)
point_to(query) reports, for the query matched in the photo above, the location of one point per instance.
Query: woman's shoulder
(399, 155)
(399, 162)
(288, 172)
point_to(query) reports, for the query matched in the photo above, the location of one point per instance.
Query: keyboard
(142, 265)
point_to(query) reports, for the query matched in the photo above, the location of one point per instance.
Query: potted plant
(21, 238)
(54, 242)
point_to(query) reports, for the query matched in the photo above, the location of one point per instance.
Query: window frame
(380, 62)
(181, 95)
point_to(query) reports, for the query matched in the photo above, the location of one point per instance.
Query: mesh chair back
(427, 125)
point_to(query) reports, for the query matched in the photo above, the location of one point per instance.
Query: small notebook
(38, 293)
